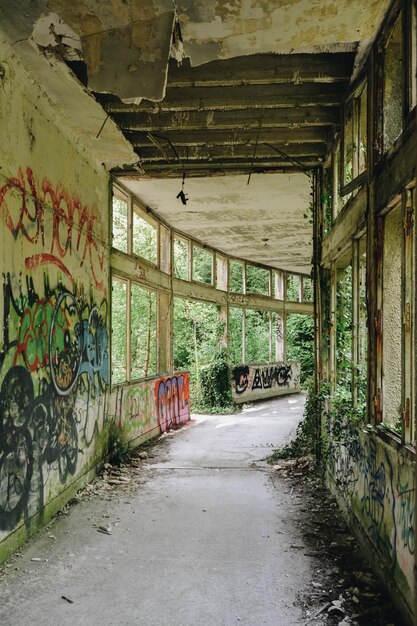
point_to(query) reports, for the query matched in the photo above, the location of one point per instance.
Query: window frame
(360, 87)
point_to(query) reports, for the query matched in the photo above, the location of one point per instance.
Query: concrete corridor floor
(207, 538)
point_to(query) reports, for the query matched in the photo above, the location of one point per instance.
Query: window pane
(348, 142)
(144, 237)
(143, 332)
(391, 320)
(293, 287)
(202, 265)
(181, 258)
(363, 130)
(257, 280)
(236, 276)
(308, 290)
(300, 342)
(235, 335)
(257, 336)
(393, 86)
(119, 223)
(361, 366)
(196, 335)
(119, 332)
(344, 328)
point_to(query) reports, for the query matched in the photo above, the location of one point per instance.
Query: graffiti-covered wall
(148, 408)
(54, 319)
(254, 382)
(376, 485)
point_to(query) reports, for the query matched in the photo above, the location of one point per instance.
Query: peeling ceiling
(215, 89)
(262, 222)
(230, 28)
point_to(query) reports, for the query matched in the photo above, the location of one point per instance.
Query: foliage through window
(344, 328)
(143, 328)
(145, 237)
(119, 221)
(293, 287)
(202, 265)
(257, 344)
(197, 335)
(300, 343)
(236, 276)
(119, 331)
(257, 280)
(308, 293)
(181, 258)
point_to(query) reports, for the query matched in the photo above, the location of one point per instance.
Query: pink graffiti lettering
(172, 398)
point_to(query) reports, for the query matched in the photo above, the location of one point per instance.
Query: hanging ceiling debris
(215, 88)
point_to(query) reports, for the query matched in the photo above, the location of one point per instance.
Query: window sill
(393, 440)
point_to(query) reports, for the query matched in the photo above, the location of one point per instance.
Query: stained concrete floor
(207, 538)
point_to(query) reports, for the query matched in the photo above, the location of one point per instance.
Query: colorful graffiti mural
(53, 373)
(152, 406)
(264, 380)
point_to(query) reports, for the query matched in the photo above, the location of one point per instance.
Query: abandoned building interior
(253, 156)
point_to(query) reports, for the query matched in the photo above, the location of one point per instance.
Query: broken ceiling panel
(125, 43)
(226, 29)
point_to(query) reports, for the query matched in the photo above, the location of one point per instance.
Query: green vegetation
(257, 336)
(215, 391)
(118, 445)
(300, 343)
(307, 439)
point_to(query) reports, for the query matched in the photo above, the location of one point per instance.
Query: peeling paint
(234, 217)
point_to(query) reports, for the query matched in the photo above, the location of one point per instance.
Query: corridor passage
(207, 538)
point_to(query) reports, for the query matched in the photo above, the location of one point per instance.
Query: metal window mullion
(355, 319)
(128, 329)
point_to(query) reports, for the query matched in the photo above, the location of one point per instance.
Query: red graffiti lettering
(37, 212)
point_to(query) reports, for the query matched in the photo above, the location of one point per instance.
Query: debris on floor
(344, 590)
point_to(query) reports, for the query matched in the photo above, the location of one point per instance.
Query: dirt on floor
(344, 590)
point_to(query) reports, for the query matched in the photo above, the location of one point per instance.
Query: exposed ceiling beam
(241, 165)
(215, 137)
(311, 150)
(261, 69)
(129, 117)
(246, 96)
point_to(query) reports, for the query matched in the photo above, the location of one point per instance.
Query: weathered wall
(148, 408)
(375, 484)
(255, 382)
(54, 319)
(391, 317)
